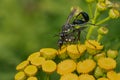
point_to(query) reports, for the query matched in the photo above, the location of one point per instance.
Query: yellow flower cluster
(86, 61)
(36, 61)
(103, 5)
(70, 62)
(74, 51)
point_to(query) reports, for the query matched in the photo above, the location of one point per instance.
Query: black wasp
(70, 33)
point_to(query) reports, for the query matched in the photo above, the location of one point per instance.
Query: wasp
(70, 33)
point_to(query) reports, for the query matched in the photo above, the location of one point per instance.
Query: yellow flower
(49, 66)
(33, 55)
(62, 53)
(93, 46)
(69, 76)
(48, 53)
(86, 66)
(32, 78)
(86, 77)
(22, 65)
(20, 76)
(66, 66)
(103, 79)
(107, 63)
(75, 51)
(38, 61)
(30, 70)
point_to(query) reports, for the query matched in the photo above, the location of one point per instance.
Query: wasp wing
(67, 26)
(70, 16)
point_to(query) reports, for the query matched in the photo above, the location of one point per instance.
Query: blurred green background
(28, 25)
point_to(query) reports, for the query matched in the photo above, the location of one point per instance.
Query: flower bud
(98, 56)
(112, 53)
(111, 75)
(22, 65)
(114, 13)
(103, 30)
(20, 76)
(38, 61)
(108, 3)
(89, 1)
(103, 78)
(30, 70)
(75, 51)
(118, 75)
(93, 46)
(49, 66)
(98, 72)
(48, 53)
(32, 78)
(86, 66)
(86, 77)
(69, 76)
(101, 6)
(33, 55)
(62, 53)
(66, 66)
(107, 63)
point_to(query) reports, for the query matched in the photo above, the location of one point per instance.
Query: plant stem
(47, 77)
(102, 21)
(96, 14)
(90, 32)
(99, 37)
(90, 10)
